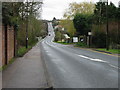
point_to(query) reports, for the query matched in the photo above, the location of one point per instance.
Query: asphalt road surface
(71, 67)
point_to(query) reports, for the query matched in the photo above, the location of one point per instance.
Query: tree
(112, 10)
(54, 22)
(100, 12)
(10, 15)
(99, 27)
(82, 23)
(30, 14)
(99, 39)
(14, 13)
(70, 13)
(83, 8)
(69, 27)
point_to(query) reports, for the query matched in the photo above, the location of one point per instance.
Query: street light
(90, 38)
(63, 29)
(27, 27)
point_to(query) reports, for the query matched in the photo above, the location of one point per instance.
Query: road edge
(99, 51)
(48, 80)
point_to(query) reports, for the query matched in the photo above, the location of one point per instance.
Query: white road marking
(114, 66)
(98, 60)
(49, 54)
(47, 51)
(63, 70)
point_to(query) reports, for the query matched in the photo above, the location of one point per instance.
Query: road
(71, 67)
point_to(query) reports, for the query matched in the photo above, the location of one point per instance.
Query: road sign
(89, 33)
(75, 39)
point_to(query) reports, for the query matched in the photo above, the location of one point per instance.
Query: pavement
(71, 67)
(27, 72)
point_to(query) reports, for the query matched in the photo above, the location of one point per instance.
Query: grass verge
(23, 50)
(65, 43)
(5, 66)
(114, 51)
(83, 45)
(80, 44)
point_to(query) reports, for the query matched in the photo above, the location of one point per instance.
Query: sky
(56, 8)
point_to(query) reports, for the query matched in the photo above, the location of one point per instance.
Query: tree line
(81, 18)
(22, 16)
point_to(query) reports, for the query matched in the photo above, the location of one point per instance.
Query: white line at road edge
(98, 60)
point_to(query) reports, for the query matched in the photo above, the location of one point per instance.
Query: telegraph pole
(107, 27)
(118, 22)
(107, 31)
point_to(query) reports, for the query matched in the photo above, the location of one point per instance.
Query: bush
(21, 51)
(82, 23)
(57, 36)
(81, 44)
(99, 40)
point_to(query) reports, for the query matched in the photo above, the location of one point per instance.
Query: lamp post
(62, 29)
(27, 27)
(90, 38)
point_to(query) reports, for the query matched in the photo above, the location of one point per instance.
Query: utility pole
(27, 26)
(107, 27)
(107, 31)
(118, 21)
(100, 16)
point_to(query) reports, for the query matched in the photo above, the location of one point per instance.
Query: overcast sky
(56, 8)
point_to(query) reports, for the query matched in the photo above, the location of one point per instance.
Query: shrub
(57, 36)
(81, 44)
(99, 40)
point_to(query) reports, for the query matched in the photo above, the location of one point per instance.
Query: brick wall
(10, 44)
(0, 46)
(3, 46)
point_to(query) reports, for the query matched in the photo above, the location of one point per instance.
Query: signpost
(90, 38)
(75, 39)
